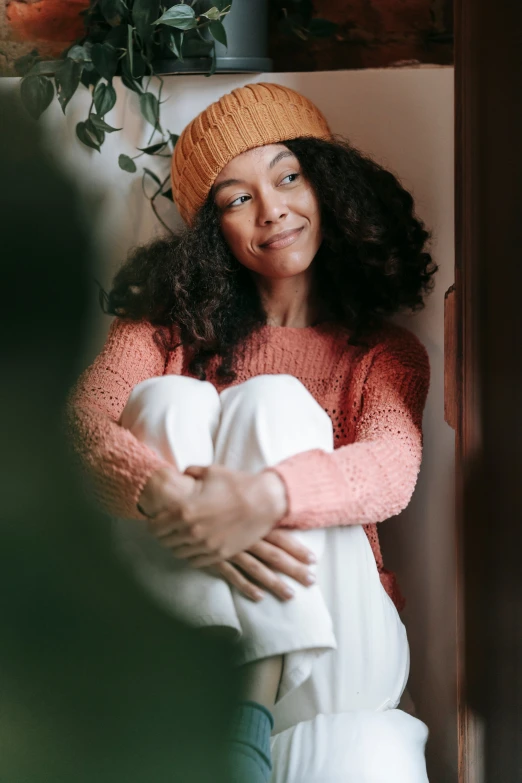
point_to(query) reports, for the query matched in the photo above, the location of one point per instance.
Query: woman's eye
(239, 200)
(290, 177)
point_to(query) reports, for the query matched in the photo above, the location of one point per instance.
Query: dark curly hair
(371, 263)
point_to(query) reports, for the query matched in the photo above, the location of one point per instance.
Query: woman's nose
(271, 208)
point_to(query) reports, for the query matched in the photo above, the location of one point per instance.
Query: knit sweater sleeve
(116, 464)
(374, 477)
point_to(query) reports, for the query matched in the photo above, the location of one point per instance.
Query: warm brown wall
(371, 34)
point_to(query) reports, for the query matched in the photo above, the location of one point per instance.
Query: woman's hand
(162, 501)
(279, 552)
(164, 493)
(227, 512)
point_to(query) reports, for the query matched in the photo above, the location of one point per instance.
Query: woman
(204, 415)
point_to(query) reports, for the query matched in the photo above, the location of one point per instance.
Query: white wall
(404, 118)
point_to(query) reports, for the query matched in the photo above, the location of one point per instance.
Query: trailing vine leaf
(144, 12)
(105, 60)
(25, 63)
(130, 48)
(213, 63)
(90, 78)
(152, 175)
(173, 138)
(127, 164)
(139, 64)
(80, 54)
(218, 32)
(67, 79)
(117, 36)
(181, 16)
(173, 40)
(113, 11)
(128, 80)
(214, 14)
(45, 68)
(153, 148)
(100, 124)
(37, 93)
(149, 107)
(104, 98)
(196, 47)
(96, 132)
(88, 136)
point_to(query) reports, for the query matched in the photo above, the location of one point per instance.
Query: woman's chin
(282, 268)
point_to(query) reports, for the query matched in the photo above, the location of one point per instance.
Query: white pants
(345, 646)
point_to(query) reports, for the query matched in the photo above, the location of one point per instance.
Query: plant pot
(247, 34)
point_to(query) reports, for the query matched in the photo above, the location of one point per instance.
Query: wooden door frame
(488, 387)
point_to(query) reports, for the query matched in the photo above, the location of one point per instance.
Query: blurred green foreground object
(97, 684)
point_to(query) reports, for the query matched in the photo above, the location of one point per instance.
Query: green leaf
(88, 135)
(89, 78)
(113, 11)
(104, 98)
(218, 32)
(129, 81)
(117, 37)
(181, 16)
(130, 30)
(36, 93)
(174, 139)
(321, 28)
(127, 164)
(173, 40)
(214, 14)
(98, 133)
(67, 79)
(140, 65)
(153, 148)
(45, 68)
(224, 5)
(24, 64)
(144, 12)
(213, 63)
(168, 194)
(105, 60)
(149, 108)
(100, 124)
(152, 175)
(195, 47)
(79, 54)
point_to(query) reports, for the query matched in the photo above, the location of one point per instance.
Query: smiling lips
(283, 239)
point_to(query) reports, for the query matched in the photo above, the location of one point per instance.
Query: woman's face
(270, 216)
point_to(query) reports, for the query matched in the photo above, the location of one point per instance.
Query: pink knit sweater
(374, 396)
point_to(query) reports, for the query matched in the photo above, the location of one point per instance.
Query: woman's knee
(286, 408)
(272, 393)
(158, 394)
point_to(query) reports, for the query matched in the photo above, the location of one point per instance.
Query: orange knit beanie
(248, 117)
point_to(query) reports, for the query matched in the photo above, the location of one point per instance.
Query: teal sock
(250, 755)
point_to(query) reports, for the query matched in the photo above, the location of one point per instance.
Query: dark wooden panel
(451, 398)
(488, 62)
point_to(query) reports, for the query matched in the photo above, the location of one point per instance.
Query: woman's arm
(372, 478)
(117, 464)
